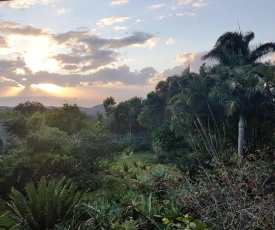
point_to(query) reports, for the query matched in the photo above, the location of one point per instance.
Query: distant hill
(89, 111)
(93, 110)
(3, 108)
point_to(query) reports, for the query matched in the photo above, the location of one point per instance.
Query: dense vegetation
(61, 169)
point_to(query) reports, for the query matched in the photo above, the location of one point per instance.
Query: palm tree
(193, 114)
(244, 95)
(232, 49)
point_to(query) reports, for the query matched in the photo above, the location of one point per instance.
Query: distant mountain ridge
(93, 110)
(89, 111)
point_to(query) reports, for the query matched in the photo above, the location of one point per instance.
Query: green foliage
(20, 167)
(108, 104)
(35, 122)
(92, 151)
(44, 205)
(68, 119)
(138, 142)
(15, 122)
(7, 139)
(6, 223)
(153, 113)
(128, 151)
(28, 108)
(165, 138)
(48, 139)
(102, 214)
(122, 118)
(186, 222)
(232, 49)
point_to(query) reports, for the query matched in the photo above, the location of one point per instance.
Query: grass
(139, 156)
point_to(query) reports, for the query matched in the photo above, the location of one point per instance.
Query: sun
(49, 88)
(37, 51)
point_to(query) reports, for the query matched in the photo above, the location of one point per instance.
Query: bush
(233, 197)
(44, 205)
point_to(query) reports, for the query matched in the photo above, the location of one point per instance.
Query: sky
(83, 51)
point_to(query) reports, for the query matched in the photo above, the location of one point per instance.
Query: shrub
(233, 197)
(44, 205)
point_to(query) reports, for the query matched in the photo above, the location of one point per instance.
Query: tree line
(204, 109)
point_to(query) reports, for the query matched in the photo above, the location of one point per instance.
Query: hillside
(89, 111)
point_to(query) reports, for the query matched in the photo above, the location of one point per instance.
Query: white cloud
(160, 17)
(194, 60)
(151, 42)
(119, 2)
(140, 20)
(157, 77)
(184, 2)
(185, 14)
(199, 3)
(170, 41)
(112, 20)
(21, 4)
(117, 28)
(157, 6)
(62, 11)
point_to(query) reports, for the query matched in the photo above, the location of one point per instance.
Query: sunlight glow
(20, 71)
(49, 88)
(12, 91)
(37, 51)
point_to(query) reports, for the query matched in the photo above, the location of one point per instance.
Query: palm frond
(261, 51)
(248, 37)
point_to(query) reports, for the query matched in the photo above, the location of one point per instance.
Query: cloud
(109, 21)
(62, 11)
(118, 2)
(176, 70)
(91, 53)
(23, 4)
(70, 35)
(15, 28)
(72, 51)
(185, 14)
(139, 20)
(136, 39)
(170, 41)
(157, 6)
(199, 3)
(11, 77)
(117, 28)
(69, 61)
(3, 43)
(269, 58)
(184, 2)
(194, 60)
(161, 17)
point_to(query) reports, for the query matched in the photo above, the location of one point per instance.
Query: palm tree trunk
(241, 137)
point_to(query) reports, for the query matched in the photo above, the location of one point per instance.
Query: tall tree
(232, 49)
(153, 114)
(29, 108)
(108, 103)
(69, 118)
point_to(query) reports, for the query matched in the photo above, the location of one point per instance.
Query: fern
(45, 205)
